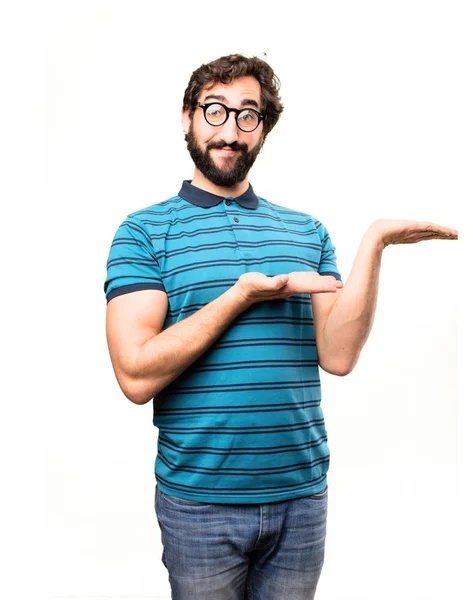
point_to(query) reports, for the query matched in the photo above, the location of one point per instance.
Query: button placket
(228, 202)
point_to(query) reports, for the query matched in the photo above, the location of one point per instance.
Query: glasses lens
(215, 114)
(248, 120)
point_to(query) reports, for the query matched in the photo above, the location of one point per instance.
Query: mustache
(234, 146)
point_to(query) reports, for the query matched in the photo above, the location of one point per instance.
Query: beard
(237, 168)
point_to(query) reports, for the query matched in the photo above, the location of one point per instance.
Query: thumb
(281, 280)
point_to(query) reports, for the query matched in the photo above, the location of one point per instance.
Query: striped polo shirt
(243, 424)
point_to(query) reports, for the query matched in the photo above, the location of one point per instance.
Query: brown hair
(225, 70)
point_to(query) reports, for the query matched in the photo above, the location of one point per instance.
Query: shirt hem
(260, 499)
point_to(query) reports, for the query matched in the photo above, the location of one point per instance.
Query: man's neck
(203, 183)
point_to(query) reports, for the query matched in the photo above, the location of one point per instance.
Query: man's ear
(185, 120)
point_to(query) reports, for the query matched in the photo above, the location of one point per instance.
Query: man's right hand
(256, 287)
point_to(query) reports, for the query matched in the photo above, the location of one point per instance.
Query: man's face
(225, 154)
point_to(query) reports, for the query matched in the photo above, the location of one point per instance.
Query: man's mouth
(225, 151)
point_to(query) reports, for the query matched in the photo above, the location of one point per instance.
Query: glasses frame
(204, 106)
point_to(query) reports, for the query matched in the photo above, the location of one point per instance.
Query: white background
(377, 124)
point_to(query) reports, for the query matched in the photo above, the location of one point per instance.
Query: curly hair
(227, 68)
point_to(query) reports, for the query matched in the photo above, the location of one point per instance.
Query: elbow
(337, 368)
(344, 371)
(135, 386)
(137, 398)
(138, 392)
(339, 372)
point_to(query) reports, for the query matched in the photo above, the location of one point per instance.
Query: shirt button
(228, 201)
(236, 219)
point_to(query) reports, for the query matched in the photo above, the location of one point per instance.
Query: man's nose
(229, 130)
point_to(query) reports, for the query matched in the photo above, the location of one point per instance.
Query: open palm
(400, 231)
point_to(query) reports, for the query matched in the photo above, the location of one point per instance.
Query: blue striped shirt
(243, 424)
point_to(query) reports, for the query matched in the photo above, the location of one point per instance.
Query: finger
(436, 228)
(441, 235)
(327, 281)
(331, 284)
(281, 280)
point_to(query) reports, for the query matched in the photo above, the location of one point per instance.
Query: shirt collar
(205, 199)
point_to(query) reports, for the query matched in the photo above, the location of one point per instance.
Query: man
(221, 308)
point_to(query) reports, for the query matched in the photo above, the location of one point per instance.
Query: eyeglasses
(216, 114)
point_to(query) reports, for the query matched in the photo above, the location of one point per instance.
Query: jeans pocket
(181, 501)
(321, 494)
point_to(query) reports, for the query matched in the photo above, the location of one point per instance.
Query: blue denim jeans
(272, 551)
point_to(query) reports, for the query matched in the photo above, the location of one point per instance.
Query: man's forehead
(239, 90)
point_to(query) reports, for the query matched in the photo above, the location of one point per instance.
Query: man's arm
(342, 329)
(343, 323)
(351, 318)
(146, 359)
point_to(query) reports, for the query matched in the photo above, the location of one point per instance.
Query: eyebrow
(244, 102)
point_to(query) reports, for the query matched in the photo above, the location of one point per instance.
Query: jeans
(272, 551)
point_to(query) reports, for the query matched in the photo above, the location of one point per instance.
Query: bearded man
(221, 308)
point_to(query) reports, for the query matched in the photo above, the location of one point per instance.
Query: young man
(221, 308)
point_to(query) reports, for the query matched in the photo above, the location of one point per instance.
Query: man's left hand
(399, 231)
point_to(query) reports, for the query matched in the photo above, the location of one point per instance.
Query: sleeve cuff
(134, 287)
(336, 275)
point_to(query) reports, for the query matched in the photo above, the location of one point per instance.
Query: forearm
(166, 355)
(350, 320)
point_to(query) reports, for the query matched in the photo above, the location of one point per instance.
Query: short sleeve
(132, 264)
(328, 258)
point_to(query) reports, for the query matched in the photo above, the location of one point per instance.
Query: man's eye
(248, 116)
(214, 112)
